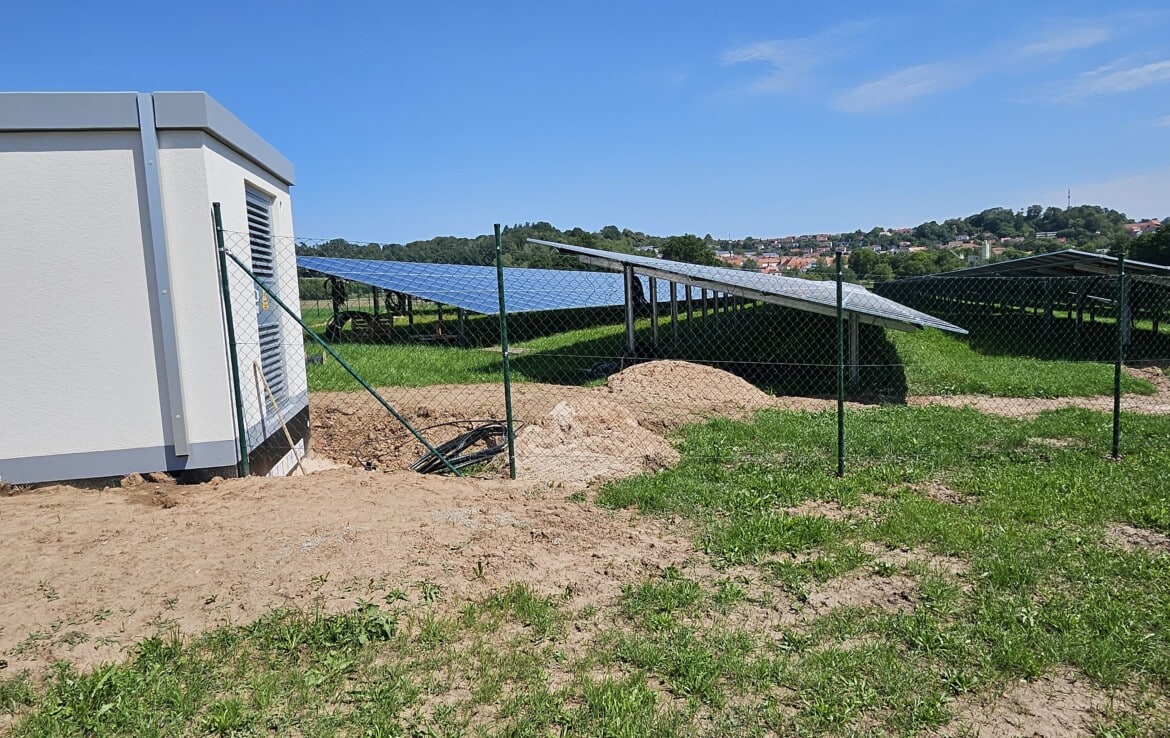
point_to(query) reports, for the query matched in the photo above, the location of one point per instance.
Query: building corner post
(163, 288)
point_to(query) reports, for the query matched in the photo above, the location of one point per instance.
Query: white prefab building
(114, 355)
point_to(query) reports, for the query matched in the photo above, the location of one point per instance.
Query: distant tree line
(1034, 230)
(481, 250)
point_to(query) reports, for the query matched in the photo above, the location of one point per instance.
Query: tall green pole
(840, 370)
(344, 365)
(243, 466)
(1122, 318)
(504, 352)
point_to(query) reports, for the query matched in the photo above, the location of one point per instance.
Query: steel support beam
(654, 311)
(630, 277)
(673, 311)
(854, 351)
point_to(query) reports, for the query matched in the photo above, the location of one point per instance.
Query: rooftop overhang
(113, 111)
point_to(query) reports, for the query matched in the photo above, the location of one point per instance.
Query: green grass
(1035, 586)
(925, 363)
(940, 364)
(564, 355)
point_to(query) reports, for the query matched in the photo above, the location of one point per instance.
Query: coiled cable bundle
(478, 441)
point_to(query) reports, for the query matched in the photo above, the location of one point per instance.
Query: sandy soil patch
(88, 573)
(896, 593)
(1056, 442)
(923, 560)
(1135, 539)
(940, 492)
(660, 395)
(1058, 705)
(832, 510)
(1029, 407)
(589, 440)
(353, 428)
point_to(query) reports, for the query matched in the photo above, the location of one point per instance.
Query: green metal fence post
(504, 353)
(840, 369)
(1122, 318)
(344, 365)
(243, 466)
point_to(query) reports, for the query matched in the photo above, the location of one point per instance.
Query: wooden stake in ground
(279, 416)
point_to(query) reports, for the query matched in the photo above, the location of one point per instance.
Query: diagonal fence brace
(337, 357)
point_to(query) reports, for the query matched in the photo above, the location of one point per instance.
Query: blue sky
(407, 121)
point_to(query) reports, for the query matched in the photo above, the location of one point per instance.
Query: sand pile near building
(589, 440)
(669, 393)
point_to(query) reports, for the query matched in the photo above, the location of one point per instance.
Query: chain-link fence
(608, 365)
(1097, 341)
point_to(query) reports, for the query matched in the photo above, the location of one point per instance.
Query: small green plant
(319, 580)
(430, 591)
(395, 595)
(226, 717)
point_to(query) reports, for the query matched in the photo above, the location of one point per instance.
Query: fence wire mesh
(1095, 342)
(609, 376)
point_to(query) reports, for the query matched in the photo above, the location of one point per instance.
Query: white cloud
(1061, 42)
(1121, 76)
(903, 86)
(918, 81)
(1163, 122)
(793, 60)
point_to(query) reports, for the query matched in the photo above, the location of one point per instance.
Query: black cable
(490, 431)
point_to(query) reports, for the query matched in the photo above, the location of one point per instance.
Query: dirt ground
(1155, 404)
(660, 396)
(1056, 705)
(657, 395)
(87, 573)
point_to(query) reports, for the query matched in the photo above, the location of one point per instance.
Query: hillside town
(952, 245)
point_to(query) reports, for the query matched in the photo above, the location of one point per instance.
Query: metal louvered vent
(260, 234)
(272, 359)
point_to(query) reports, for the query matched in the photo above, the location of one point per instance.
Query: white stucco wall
(78, 362)
(228, 175)
(83, 375)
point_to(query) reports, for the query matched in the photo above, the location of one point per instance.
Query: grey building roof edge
(68, 111)
(184, 110)
(80, 111)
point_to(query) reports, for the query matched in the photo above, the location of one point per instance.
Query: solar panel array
(1066, 263)
(474, 288)
(802, 294)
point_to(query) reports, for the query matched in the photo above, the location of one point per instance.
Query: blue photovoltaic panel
(802, 294)
(473, 288)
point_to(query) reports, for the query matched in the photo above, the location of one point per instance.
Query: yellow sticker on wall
(263, 300)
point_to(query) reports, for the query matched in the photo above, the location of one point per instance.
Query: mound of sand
(669, 393)
(589, 440)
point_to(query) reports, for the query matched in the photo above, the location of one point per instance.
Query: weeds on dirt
(790, 623)
(1037, 583)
